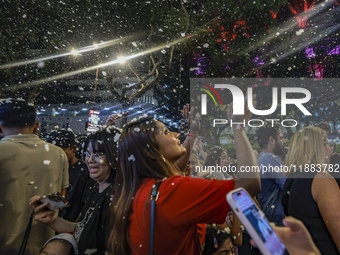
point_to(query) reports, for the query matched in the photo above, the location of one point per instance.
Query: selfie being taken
(170, 127)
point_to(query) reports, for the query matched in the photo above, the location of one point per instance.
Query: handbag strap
(27, 233)
(154, 198)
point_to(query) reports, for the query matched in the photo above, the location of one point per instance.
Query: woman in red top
(148, 152)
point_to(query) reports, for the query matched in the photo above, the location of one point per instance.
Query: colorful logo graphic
(208, 92)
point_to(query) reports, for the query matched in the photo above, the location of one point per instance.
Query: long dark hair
(105, 141)
(138, 158)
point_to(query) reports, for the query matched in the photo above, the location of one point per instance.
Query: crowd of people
(130, 192)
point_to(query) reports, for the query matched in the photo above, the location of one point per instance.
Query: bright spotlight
(74, 52)
(121, 59)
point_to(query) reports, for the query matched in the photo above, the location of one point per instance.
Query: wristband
(192, 135)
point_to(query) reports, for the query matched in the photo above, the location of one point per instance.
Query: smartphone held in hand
(255, 222)
(55, 201)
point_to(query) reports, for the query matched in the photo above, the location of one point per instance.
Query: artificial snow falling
(214, 73)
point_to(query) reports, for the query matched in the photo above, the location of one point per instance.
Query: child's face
(226, 248)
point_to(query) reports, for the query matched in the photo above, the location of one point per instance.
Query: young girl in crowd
(148, 152)
(92, 228)
(218, 242)
(310, 193)
(217, 156)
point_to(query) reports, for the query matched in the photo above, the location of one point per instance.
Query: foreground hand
(41, 213)
(112, 119)
(190, 119)
(34, 202)
(186, 114)
(199, 143)
(296, 237)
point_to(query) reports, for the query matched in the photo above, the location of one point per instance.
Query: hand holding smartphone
(255, 223)
(55, 201)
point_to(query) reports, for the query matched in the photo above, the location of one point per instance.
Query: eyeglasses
(85, 156)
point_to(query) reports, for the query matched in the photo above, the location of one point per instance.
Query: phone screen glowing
(259, 222)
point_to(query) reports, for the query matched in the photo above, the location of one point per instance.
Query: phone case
(55, 201)
(248, 226)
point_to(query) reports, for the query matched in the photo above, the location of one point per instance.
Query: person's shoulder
(174, 182)
(188, 181)
(6, 144)
(11, 140)
(14, 143)
(173, 179)
(6, 140)
(277, 159)
(49, 147)
(269, 158)
(178, 179)
(265, 155)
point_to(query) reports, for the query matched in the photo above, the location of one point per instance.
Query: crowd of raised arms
(110, 181)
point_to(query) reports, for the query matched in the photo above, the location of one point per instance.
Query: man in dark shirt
(78, 173)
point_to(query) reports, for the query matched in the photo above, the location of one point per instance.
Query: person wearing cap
(78, 173)
(62, 244)
(28, 166)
